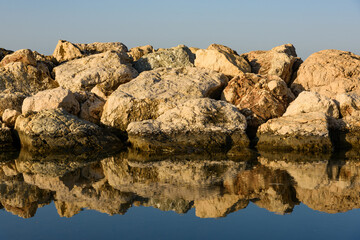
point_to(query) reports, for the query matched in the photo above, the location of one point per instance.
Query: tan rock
(137, 52)
(258, 97)
(193, 50)
(222, 48)
(308, 102)
(24, 56)
(278, 61)
(91, 109)
(51, 99)
(106, 70)
(9, 117)
(221, 61)
(153, 92)
(349, 104)
(329, 72)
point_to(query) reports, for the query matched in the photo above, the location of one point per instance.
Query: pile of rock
(88, 96)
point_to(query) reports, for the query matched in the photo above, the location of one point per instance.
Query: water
(283, 196)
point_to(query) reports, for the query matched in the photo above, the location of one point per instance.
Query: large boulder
(278, 61)
(258, 97)
(175, 57)
(329, 72)
(51, 99)
(105, 70)
(153, 92)
(308, 102)
(56, 130)
(11, 101)
(221, 59)
(66, 51)
(196, 125)
(137, 52)
(301, 132)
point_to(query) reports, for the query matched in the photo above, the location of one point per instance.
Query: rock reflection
(215, 188)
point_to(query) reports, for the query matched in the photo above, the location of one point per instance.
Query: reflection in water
(214, 188)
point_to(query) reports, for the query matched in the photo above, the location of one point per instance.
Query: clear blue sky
(311, 25)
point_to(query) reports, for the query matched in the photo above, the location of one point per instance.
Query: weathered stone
(175, 57)
(222, 48)
(9, 117)
(153, 92)
(221, 61)
(51, 99)
(349, 104)
(329, 72)
(278, 61)
(4, 52)
(24, 56)
(66, 51)
(57, 130)
(196, 125)
(137, 52)
(302, 132)
(308, 102)
(11, 101)
(258, 97)
(106, 70)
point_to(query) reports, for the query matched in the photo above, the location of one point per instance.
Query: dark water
(131, 196)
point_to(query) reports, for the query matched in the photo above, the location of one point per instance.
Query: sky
(311, 25)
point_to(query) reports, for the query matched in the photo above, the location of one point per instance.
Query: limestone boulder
(278, 61)
(11, 101)
(258, 97)
(301, 132)
(153, 92)
(66, 51)
(175, 57)
(329, 72)
(137, 52)
(221, 61)
(51, 99)
(56, 130)
(9, 117)
(4, 52)
(308, 102)
(105, 70)
(196, 125)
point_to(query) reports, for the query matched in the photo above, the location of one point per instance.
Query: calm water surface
(127, 196)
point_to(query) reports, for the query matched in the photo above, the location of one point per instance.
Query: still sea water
(130, 196)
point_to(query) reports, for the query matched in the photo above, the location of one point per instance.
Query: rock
(221, 61)
(11, 101)
(24, 56)
(153, 92)
(137, 52)
(51, 99)
(258, 97)
(4, 52)
(106, 70)
(175, 57)
(193, 50)
(278, 61)
(302, 132)
(92, 108)
(66, 51)
(9, 117)
(196, 125)
(56, 130)
(349, 104)
(7, 142)
(222, 48)
(329, 72)
(308, 102)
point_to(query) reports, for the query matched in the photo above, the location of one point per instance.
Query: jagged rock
(302, 132)
(258, 97)
(11, 101)
(221, 61)
(195, 125)
(106, 70)
(329, 72)
(175, 57)
(57, 130)
(25, 56)
(51, 99)
(222, 48)
(4, 52)
(66, 51)
(9, 117)
(308, 102)
(278, 61)
(137, 52)
(153, 92)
